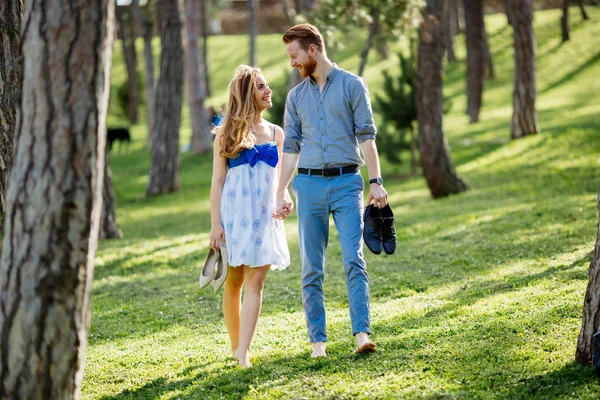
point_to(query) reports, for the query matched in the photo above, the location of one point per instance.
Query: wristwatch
(377, 180)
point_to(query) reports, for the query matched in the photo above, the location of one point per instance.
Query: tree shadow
(572, 74)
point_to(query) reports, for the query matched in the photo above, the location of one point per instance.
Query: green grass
(482, 300)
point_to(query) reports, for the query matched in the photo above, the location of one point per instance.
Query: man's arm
(289, 161)
(377, 193)
(364, 130)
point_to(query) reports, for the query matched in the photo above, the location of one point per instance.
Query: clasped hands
(283, 206)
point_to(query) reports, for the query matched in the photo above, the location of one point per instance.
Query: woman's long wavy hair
(234, 132)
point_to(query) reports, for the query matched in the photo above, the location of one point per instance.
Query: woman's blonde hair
(234, 132)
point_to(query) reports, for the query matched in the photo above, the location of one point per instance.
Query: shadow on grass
(573, 73)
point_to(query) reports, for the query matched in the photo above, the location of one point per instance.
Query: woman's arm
(216, 189)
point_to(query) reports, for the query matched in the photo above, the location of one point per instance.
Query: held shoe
(209, 269)
(222, 268)
(388, 230)
(372, 229)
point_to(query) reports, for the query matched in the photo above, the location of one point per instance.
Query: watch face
(379, 181)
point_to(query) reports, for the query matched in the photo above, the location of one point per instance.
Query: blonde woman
(246, 166)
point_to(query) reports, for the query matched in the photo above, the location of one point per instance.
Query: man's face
(301, 59)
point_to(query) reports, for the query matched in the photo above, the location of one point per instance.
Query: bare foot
(318, 350)
(244, 360)
(363, 344)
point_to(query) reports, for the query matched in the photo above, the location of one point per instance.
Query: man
(327, 119)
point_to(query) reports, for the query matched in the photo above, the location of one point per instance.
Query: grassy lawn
(482, 300)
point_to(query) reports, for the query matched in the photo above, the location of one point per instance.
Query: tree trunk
(507, 11)
(205, 21)
(145, 24)
(164, 166)
(475, 56)
(564, 20)
(201, 132)
(374, 27)
(488, 61)
(54, 199)
(130, 56)
(584, 14)
(295, 78)
(252, 32)
(524, 119)
(591, 307)
(413, 151)
(449, 34)
(11, 15)
(108, 219)
(438, 168)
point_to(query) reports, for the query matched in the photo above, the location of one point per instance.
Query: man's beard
(309, 68)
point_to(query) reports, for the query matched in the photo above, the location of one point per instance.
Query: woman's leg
(231, 303)
(254, 279)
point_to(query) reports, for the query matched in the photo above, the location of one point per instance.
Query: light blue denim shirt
(326, 127)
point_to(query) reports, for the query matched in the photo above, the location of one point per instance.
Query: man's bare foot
(243, 360)
(363, 344)
(318, 350)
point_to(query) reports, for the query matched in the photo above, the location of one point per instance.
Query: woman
(245, 169)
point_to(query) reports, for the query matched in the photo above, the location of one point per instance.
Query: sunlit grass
(482, 299)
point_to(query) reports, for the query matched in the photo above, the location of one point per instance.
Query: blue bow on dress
(266, 152)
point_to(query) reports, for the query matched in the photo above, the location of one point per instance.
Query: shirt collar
(330, 76)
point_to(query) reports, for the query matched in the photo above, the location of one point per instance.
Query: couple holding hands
(328, 122)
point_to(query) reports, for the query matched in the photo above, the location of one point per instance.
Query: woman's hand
(217, 234)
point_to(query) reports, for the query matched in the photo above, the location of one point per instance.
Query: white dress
(253, 237)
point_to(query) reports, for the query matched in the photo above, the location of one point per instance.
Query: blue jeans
(316, 198)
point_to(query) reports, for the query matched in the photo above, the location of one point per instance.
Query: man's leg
(313, 232)
(347, 209)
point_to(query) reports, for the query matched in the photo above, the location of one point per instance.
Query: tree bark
(488, 61)
(507, 11)
(54, 199)
(475, 56)
(108, 218)
(11, 15)
(591, 307)
(438, 168)
(130, 56)
(449, 34)
(164, 165)
(295, 78)
(201, 132)
(205, 21)
(252, 31)
(524, 119)
(584, 14)
(373, 28)
(564, 20)
(145, 24)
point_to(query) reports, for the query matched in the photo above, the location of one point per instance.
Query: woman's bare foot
(244, 360)
(318, 350)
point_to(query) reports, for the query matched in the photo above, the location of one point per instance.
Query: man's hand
(283, 206)
(377, 195)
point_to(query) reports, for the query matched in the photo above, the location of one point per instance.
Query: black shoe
(388, 230)
(372, 229)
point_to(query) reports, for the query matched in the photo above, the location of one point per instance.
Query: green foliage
(395, 18)
(482, 300)
(398, 110)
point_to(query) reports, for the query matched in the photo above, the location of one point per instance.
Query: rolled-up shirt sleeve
(292, 126)
(364, 125)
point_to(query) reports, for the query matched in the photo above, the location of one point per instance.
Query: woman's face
(262, 94)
